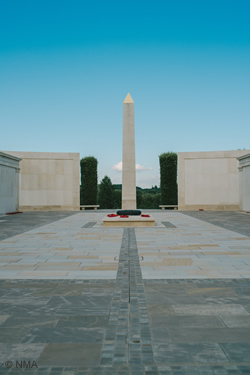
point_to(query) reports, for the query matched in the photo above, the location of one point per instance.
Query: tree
(88, 180)
(106, 193)
(168, 172)
(117, 198)
(139, 196)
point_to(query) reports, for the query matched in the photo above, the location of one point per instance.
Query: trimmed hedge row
(168, 172)
(106, 193)
(88, 180)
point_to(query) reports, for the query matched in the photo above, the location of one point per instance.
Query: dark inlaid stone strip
(90, 224)
(168, 224)
(128, 338)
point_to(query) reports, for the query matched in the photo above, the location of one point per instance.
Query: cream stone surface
(244, 182)
(128, 156)
(209, 180)
(9, 183)
(49, 181)
(131, 221)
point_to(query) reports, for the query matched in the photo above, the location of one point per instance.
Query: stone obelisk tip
(128, 99)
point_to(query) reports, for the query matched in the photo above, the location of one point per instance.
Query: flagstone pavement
(78, 298)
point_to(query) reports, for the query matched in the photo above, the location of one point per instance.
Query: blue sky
(67, 66)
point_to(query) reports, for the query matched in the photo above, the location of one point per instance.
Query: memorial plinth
(131, 221)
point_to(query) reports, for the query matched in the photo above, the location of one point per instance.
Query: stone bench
(94, 206)
(163, 206)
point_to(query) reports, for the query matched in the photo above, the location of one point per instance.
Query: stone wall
(209, 180)
(9, 183)
(49, 181)
(244, 182)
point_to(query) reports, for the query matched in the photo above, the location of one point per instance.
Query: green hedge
(117, 199)
(168, 172)
(88, 180)
(148, 200)
(106, 193)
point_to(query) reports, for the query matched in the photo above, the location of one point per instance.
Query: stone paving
(14, 224)
(77, 298)
(72, 248)
(188, 248)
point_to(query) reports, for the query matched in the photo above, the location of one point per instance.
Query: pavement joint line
(128, 326)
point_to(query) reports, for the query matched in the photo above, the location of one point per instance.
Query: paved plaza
(78, 298)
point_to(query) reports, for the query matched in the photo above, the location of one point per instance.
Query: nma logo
(26, 364)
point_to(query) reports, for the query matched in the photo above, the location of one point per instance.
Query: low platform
(131, 221)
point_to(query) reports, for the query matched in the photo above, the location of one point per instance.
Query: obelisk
(128, 216)
(128, 156)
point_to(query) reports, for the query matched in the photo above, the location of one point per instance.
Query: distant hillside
(152, 190)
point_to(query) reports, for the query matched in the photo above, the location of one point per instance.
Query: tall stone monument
(128, 216)
(128, 156)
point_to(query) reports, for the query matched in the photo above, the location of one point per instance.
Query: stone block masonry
(9, 183)
(209, 180)
(49, 181)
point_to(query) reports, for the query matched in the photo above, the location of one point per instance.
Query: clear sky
(67, 66)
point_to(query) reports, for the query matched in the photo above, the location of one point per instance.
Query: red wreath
(144, 215)
(112, 215)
